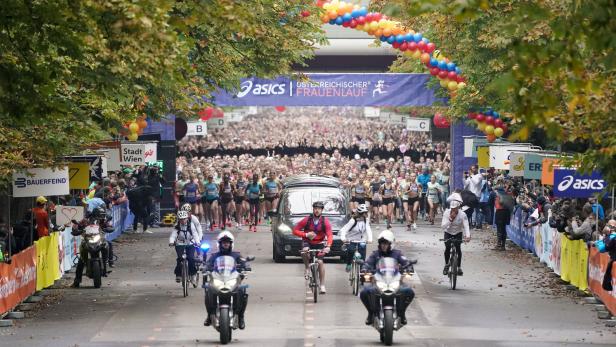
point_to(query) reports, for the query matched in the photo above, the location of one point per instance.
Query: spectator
(42, 217)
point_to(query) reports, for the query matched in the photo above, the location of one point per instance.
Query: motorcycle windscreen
(224, 265)
(387, 270)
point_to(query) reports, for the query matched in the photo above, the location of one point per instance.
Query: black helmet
(99, 213)
(318, 204)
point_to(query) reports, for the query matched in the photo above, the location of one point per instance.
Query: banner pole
(612, 200)
(9, 228)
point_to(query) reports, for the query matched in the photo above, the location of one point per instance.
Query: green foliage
(544, 64)
(72, 72)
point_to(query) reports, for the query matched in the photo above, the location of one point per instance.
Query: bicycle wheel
(453, 269)
(356, 281)
(315, 281)
(185, 277)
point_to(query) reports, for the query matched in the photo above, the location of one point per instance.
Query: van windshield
(299, 200)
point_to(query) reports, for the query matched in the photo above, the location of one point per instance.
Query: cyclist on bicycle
(356, 233)
(314, 230)
(194, 220)
(454, 224)
(225, 248)
(386, 249)
(184, 236)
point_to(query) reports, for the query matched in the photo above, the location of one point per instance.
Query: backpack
(321, 222)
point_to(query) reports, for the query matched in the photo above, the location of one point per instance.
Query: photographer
(156, 181)
(581, 231)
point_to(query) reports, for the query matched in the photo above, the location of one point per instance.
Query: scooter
(386, 279)
(225, 282)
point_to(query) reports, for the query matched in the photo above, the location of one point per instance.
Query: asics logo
(260, 89)
(579, 183)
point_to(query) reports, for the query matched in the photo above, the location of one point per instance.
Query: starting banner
(597, 264)
(17, 279)
(333, 89)
(47, 261)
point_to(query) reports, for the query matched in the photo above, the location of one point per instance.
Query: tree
(545, 64)
(73, 72)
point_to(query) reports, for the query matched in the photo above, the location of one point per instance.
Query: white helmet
(388, 236)
(225, 235)
(182, 215)
(455, 200)
(362, 208)
(186, 207)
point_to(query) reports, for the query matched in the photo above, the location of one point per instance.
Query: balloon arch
(411, 44)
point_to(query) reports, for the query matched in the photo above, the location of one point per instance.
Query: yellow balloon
(374, 25)
(498, 132)
(359, 27)
(327, 6)
(444, 83)
(452, 85)
(132, 136)
(133, 127)
(417, 54)
(383, 24)
(481, 126)
(489, 130)
(461, 85)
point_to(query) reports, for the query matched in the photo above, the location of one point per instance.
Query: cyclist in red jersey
(314, 230)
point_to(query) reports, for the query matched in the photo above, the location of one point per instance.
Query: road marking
(309, 318)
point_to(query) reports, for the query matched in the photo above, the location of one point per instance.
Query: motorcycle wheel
(388, 327)
(185, 278)
(96, 273)
(224, 326)
(453, 271)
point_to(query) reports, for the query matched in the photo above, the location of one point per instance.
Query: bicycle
(186, 272)
(453, 262)
(314, 282)
(357, 262)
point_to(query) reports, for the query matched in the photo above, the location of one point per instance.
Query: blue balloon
(355, 13)
(425, 40)
(408, 38)
(451, 67)
(339, 20)
(400, 38)
(332, 21)
(363, 11)
(417, 37)
(391, 39)
(495, 114)
(347, 17)
(383, 38)
(489, 112)
(433, 62)
(458, 70)
(442, 65)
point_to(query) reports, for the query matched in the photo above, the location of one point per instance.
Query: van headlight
(283, 228)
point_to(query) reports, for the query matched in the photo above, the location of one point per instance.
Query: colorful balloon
(133, 127)
(481, 125)
(498, 122)
(430, 47)
(425, 58)
(489, 130)
(491, 138)
(480, 117)
(132, 137)
(452, 85)
(489, 120)
(498, 132)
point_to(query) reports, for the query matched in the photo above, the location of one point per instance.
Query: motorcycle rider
(97, 215)
(313, 230)
(356, 232)
(225, 248)
(385, 248)
(454, 225)
(183, 236)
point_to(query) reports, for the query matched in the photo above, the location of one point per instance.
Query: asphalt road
(503, 299)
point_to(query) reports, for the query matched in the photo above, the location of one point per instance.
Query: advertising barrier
(70, 249)
(17, 279)
(47, 261)
(597, 263)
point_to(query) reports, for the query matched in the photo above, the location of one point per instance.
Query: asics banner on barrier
(333, 89)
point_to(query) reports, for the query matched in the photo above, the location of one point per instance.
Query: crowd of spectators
(314, 131)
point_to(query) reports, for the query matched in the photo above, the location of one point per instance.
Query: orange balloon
(386, 32)
(332, 14)
(142, 123)
(396, 30)
(342, 10)
(379, 33)
(325, 18)
(425, 58)
(491, 138)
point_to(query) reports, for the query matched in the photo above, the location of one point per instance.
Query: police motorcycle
(93, 245)
(387, 280)
(225, 281)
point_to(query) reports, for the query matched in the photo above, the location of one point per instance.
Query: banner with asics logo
(571, 184)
